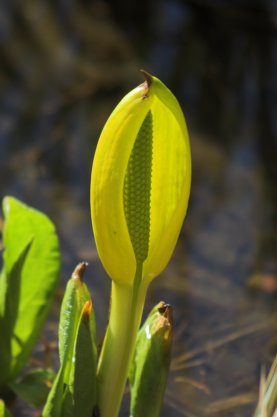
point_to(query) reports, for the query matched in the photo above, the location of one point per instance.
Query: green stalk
(127, 302)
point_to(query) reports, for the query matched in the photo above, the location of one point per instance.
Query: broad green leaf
(4, 412)
(149, 369)
(34, 387)
(38, 275)
(9, 290)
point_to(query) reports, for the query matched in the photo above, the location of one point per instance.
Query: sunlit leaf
(9, 290)
(37, 277)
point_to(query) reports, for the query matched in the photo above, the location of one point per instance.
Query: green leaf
(4, 412)
(34, 386)
(9, 290)
(76, 294)
(37, 275)
(81, 397)
(54, 401)
(150, 365)
(75, 384)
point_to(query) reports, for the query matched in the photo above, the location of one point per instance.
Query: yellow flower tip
(140, 182)
(86, 311)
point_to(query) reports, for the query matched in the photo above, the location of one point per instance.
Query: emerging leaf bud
(150, 365)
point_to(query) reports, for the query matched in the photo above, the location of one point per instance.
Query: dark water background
(64, 66)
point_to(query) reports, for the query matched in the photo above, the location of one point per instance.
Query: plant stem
(127, 303)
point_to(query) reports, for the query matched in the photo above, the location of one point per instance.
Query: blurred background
(64, 66)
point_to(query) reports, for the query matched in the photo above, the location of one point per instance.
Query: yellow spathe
(118, 153)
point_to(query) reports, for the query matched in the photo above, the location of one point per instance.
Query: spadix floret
(140, 182)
